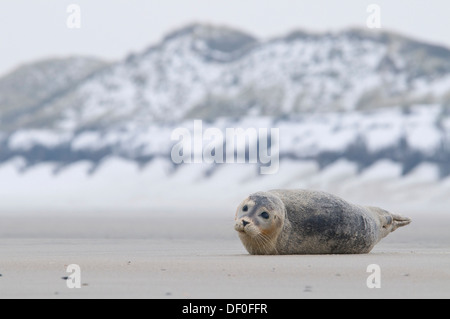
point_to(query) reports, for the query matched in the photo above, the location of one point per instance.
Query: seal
(286, 222)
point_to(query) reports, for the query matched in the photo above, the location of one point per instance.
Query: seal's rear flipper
(399, 221)
(389, 221)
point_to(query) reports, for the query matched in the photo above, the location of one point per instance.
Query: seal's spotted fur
(310, 222)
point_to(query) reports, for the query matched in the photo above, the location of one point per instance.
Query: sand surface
(202, 257)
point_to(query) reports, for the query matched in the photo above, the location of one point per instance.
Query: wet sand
(176, 257)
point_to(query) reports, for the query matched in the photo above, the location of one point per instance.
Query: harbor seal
(283, 222)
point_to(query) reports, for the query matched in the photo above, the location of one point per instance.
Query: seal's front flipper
(399, 221)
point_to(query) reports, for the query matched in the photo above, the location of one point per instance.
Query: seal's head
(259, 220)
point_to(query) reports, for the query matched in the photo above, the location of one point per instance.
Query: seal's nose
(244, 223)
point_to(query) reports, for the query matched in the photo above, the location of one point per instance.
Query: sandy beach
(202, 257)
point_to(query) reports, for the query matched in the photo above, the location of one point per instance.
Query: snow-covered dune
(120, 187)
(363, 114)
(366, 157)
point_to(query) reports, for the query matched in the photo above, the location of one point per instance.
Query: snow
(87, 141)
(336, 141)
(424, 138)
(381, 170)
(119, 187)
(421, 131)
(178, 78)
(424, 173)
(383, 137)
(276, 77)
(334, 174)
(26, 139)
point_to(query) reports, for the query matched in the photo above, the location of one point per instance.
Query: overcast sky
(110, 29)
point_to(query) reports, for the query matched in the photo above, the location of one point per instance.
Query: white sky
(110, 29)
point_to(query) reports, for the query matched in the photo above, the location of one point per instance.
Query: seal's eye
(264, 215)
(245, 208)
